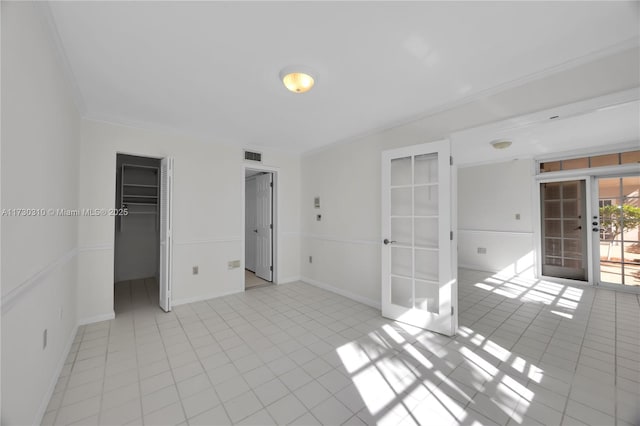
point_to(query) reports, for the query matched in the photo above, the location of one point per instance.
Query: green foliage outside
(619, 220)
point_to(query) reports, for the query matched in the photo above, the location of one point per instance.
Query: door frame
(275, 234)
(155, 157)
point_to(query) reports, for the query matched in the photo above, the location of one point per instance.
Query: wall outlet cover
(482, 250)
(195, 270)
(233, 264)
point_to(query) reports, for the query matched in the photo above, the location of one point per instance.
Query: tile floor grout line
(205, 370)
(73, 363)
(135, 340)
(104, 373)
(566, 404)
(299, 322)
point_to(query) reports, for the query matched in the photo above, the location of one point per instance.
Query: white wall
(40, 143)
(489, 198)
(207, 220)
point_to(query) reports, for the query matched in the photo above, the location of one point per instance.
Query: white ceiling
(580, 126)
(211, 68)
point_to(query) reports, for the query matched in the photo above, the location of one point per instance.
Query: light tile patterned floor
(251, 280)
(528, 352)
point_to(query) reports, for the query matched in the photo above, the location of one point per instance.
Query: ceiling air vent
(253, 156)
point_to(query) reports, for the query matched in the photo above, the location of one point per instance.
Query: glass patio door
(617, 230)
(564, 229)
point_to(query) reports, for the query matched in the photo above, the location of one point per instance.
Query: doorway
(617, 238)
(258, 228)
(142, 240)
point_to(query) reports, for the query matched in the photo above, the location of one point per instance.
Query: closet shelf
(139, 204)
(138, 185)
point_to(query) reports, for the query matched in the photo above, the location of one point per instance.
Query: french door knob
(387, 242)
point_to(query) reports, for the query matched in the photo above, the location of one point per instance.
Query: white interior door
(166, 237)
(264, 225)
(419, 285)
(250, 225)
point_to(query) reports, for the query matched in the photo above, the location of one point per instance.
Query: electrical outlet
(44, 339)
(482, 250)
(517, 216)
(233, 264)
(195, 270)
(310, 259)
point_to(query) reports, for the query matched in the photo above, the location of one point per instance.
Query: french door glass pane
(426, 169)
(426, 232)
(427, 296)
(401, 202)
(426, 262)
(401, 171)
(401, 230)
(426, 200)
(401, 293)
(401, 262)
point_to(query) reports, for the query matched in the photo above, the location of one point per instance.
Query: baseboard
(52, 386)
(97, 318)
(289, 280)
(364, 300)
(184, 301)
(476, 268)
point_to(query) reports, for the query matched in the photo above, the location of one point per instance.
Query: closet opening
(259, 225)
(142, 189)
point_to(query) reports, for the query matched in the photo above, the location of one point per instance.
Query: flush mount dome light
(297, 81)
(500, 144)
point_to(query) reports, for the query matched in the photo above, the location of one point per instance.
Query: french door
(419, 284)
(564, 229)
(617, 238)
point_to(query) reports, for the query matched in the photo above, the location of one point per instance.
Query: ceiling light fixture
(500, 144)
(297, 81)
